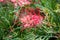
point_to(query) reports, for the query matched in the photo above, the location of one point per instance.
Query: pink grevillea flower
(31, 18)
(21, 2)
(1, 0)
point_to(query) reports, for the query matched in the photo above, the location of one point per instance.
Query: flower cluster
(20, 2)
(31, 18)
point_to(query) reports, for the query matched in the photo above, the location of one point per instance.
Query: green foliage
(49, 7)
